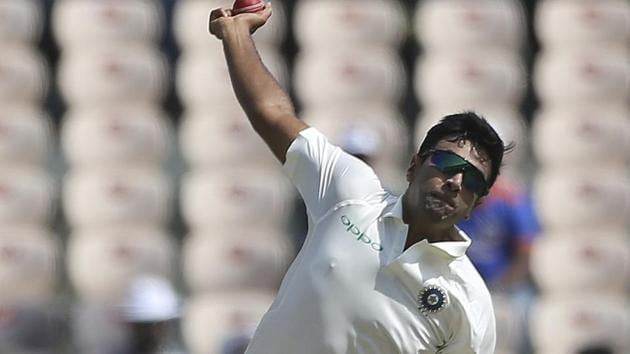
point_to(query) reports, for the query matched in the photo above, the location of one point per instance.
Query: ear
(412, 167)
(478, 202)
(472, 207)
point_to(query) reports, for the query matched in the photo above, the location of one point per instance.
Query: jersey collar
(454, 249)
(451, 249)
(396, 210)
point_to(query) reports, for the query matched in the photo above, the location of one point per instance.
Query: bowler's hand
(221, 20)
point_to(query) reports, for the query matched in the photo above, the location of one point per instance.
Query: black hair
(472, 127)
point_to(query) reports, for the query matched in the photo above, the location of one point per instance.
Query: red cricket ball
(242, 6)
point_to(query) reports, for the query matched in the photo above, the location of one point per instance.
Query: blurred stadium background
(124, 154)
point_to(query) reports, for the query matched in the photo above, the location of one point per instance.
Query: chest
(354, 273)
(348, 247)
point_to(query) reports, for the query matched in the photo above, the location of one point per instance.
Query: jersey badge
(432, 299)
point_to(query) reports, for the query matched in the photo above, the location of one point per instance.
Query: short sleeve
(325, 175)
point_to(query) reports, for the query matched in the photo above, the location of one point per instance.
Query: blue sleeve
(524, 220)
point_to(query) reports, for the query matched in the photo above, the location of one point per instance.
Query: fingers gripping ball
(243, 6)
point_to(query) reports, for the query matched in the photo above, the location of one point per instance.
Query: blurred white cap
(150, 299)
(358, 140)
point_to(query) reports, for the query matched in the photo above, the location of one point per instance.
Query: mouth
(440, 206)
(448, 201)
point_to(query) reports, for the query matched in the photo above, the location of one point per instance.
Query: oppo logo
(358, 234)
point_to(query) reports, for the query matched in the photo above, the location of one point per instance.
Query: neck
(419, 233)
(421, 229)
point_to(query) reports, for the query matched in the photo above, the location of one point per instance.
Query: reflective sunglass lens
(451, 163)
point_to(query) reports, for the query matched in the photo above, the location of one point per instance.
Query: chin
(446, 218)
(439, 216)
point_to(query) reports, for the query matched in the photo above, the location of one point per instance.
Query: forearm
(258, 92)
(267, 105)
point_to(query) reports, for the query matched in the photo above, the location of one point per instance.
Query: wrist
(234, 28)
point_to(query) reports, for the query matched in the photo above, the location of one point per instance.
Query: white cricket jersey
(353, 288)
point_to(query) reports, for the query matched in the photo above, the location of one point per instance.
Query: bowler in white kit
(378, 273)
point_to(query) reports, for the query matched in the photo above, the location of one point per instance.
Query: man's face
(441, 197)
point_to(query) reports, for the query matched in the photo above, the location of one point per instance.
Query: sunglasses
(451, 164)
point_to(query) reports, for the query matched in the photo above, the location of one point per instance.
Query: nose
(454, 182)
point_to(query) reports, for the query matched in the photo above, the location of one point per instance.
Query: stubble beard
(427, 208)
(437, 209)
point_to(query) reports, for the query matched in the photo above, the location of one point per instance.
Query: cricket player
(378, 273)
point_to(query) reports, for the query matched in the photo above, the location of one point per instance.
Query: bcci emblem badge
(432, 299)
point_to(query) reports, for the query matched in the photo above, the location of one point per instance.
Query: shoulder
(311, 137)
(472, 285)
(378, 203)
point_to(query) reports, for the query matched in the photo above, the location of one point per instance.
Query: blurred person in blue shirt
(502, 229)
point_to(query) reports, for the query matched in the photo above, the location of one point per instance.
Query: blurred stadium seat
(242, 197)
(235, 259)
(223, 322)
(23, 74)
(595, 232)
(29, 265)
(337, 76)
(106, 21)
(329, 23)
(582, 134)
(117, 196)
(563, 324)
(588, 264)
(190, 26)
(350, 78)
(22, 21)
(222, 137)
(581, 197)
(97, 327)
(113, 78)
(229, 186)
(102, 262)
(470, 78)
(203, 78)
(383, 121)
(114, 73)
(567, 23)
(32, 328)
(25, 135)
(30, 252)
(374, 130)
(131, 135)
(26, 196)
(593, 75)
(460, 25)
